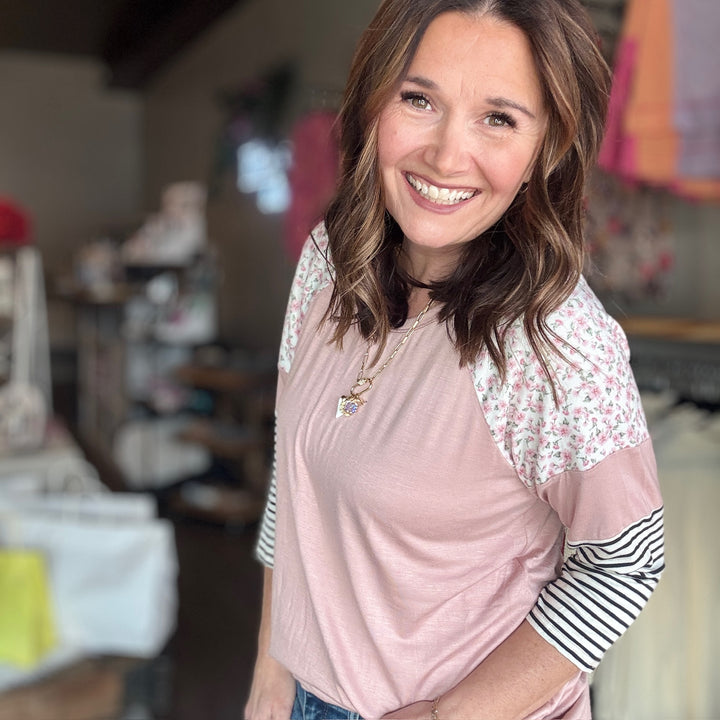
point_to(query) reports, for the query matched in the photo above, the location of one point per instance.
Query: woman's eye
(500, 120)
(417, 100)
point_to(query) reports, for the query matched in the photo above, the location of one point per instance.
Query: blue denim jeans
(309, 707)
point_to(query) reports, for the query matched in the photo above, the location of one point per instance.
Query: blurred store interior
(160, 166)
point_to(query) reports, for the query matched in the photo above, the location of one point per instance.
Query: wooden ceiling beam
(146, 35)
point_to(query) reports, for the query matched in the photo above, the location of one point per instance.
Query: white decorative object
(176, 234)
(112, 563)
(150, 454)
(25, 399)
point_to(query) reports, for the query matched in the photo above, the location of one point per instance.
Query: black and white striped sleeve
(265, 546)
(600, 591)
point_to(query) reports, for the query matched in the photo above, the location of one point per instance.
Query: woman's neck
(427, 265)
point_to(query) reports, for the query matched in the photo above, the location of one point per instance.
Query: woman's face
(461, 134)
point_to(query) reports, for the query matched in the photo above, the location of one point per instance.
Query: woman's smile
(444, 196)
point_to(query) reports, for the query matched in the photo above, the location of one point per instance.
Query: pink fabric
(662, 127)
(384, 561)
(616, 153)
(408, 546)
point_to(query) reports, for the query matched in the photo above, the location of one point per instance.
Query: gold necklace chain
(349, 404)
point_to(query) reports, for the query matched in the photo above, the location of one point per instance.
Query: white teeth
(441, 196)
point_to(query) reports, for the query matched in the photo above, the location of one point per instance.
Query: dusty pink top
(411, 538)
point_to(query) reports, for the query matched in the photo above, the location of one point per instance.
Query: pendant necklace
(349, 404)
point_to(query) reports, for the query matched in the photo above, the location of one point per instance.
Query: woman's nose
(448, 148)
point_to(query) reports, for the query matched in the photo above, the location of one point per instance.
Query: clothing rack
(676, 355)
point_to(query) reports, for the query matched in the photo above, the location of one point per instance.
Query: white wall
(70, 153)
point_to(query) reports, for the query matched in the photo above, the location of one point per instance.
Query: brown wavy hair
(529, 262)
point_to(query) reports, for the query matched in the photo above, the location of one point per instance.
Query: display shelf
(672, 328)
(131, 335)
(226, 440)
(214, 502)
(224, 379)
(239, 432)
(677, 355)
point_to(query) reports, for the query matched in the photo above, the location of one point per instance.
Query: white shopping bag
(115, 507)
(112, 573)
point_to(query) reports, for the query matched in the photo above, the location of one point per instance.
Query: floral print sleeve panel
(599, 408)
(591, 459)
(312, 274)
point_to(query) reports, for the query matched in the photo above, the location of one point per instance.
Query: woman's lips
(439, 195)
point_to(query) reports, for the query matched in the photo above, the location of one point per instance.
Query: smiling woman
(468, 529)
(537, 253)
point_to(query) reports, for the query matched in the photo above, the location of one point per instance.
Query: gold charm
(348, 405)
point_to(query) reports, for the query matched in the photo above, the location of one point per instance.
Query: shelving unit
(239, 437)
(216, 404)
(102, 402)
(121, 363)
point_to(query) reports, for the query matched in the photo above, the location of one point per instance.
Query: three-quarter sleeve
(601, 589)
(265, 546)
(586, 451)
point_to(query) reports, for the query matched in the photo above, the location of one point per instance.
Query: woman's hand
(272, 692)
(417, 711)
(513, 681)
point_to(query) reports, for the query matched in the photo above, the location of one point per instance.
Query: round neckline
(430, 317)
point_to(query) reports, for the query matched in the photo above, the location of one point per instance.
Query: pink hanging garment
(641, 142)
(312, 176)
(648, 116)
(617, 154)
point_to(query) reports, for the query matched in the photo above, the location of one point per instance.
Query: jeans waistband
(310, 707)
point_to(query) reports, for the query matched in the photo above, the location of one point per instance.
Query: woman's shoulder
(312, 274)
(586, 330)
(313, 268)
(586, 410)
(586, 338)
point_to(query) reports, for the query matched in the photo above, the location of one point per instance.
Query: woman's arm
(273, 688)
(519, 676)
(599, 592)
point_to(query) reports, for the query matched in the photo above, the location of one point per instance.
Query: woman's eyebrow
(422, 82)
(498, 102)
(501, 102)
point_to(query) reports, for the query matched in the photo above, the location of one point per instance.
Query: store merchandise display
(25, 401)
(174, 235)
